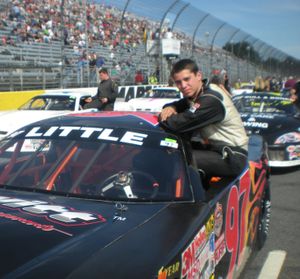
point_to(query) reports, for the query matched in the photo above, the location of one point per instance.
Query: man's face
(103, 76)
(188, 82)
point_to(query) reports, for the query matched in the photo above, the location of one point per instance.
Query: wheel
(264, 217)
(124, 182)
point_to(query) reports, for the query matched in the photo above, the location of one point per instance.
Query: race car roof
(133, 120)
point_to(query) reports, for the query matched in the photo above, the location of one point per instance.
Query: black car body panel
(116, 229)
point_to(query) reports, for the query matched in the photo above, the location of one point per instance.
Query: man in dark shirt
(207, 113)
(106, 94)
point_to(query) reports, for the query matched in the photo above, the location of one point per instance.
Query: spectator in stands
(295, 96)
(139, 78)
(267, 84)
(81, 63)
(100, 61)
(290, 82)
(92, 65)
(156, 34)
(227, 83)
(273, 85)
(219, 78)
(106, 94)
(152, 79)
(168, 34)
(171, 81)
(259, 84)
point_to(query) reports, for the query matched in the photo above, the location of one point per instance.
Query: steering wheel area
(131, 184)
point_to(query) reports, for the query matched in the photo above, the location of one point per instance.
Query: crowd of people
(84, 25)
(41, 21)
(87, 24)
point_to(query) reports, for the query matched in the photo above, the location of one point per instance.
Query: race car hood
(38, 230)
(268, 124)
(149, 104)
(15, 119)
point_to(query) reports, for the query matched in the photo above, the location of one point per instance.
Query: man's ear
(199, 75)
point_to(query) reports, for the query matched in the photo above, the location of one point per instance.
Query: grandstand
(39, 50)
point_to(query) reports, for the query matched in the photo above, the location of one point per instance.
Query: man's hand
(166, 113)
(103, 100)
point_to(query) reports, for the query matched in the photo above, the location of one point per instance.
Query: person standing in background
(106, 94)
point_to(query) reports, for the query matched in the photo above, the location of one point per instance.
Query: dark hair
(184, 64)
(103, 70)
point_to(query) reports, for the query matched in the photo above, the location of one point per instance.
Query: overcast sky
(276, 22)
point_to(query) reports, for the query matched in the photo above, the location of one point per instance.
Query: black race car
(112, 195)
(276, 119)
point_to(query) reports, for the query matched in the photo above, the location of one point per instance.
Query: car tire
(264, 217)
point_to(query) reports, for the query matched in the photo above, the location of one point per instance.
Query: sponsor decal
(194, 107)
(292, 137)
(257, 115)
(86, 132)
(25, 221)
(218, 219)
(53, 213)
(198, 258)
(169, 143)
(209, 226)
(166, 272)
(256, 124)
(220, 249)
(293, 152)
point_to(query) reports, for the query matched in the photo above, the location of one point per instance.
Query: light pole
(206, 34)
(231, 57)
(248, 61)
(62, 42)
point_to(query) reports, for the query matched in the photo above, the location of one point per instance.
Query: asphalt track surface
(280, 257)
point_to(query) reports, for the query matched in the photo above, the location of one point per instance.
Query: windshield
(263, 104)
(50, 103)
(162, 93)
(113, 164)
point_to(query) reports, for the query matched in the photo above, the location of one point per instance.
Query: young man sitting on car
(211, 114)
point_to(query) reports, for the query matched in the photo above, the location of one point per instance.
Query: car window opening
(97, 169)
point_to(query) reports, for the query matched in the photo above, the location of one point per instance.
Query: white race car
(154, 99)
(41, 107)
(246, 88)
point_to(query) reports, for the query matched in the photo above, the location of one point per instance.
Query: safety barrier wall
(13, 100)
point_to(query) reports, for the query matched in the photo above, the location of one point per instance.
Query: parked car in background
(128, 92)
(154, 99)
(274, 117)
(245, 88)
(113, 195)
(41, 107)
